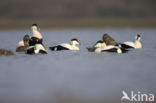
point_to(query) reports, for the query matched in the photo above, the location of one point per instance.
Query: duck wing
(58, 48)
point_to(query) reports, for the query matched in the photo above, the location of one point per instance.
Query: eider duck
(35, 43)
(23, 45)
(108, 40)
(98, 44)
(38, 48)
(36, 33)
(67, 46)
(101, 47)
(136, 45)
(4, 52)
(111, 49)
(35, 47)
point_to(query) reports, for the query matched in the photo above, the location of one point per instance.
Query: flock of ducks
(34, 45)
(110, 45)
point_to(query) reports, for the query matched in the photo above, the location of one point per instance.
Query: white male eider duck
(67, 46)
(36, 34)
(23, 45)
(137, 44)
(36, 47)
(111, 49)
(101, 47)
(98, 44)
(35, 43)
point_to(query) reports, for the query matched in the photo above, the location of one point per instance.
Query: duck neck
(37, 34)
(73, 45)
(138, 44)
(26, 43)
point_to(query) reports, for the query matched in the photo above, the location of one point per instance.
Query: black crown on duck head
(34, 25)
(74, 39)
(138, 35)
(100, 41)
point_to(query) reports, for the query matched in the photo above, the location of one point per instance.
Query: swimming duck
(23, 45)
(98, 44)
(67, 46)
(36, 33)
(35, 42)
(137, 44)
(111, 49)
(108, 40)
(101, 47)
(37, 48)
(4, 52)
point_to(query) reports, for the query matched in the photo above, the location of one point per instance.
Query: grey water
(79, 75)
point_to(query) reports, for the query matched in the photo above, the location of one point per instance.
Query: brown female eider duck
(23, 45)
(4, 52)
(108, 40)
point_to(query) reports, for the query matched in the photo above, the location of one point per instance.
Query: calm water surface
(79, 76)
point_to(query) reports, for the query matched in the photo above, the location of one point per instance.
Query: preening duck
(4, 52)
(23, 45)
(67, 46)
(108, 40)
(137, 44)
(101, 47)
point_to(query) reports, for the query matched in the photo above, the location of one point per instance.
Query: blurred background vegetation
(77, 13)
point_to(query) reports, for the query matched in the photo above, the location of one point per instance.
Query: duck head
(100, 44)
(34, 27)
(26, 40)
(138, 37)
(75, 42)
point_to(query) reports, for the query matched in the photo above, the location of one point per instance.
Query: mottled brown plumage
(26, 44)
(4, 52)
(91, 49)
(108, 40)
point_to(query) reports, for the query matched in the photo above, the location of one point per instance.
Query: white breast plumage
(37, 34)
(21, 43)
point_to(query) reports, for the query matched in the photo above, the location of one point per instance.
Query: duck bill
(79, 42)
